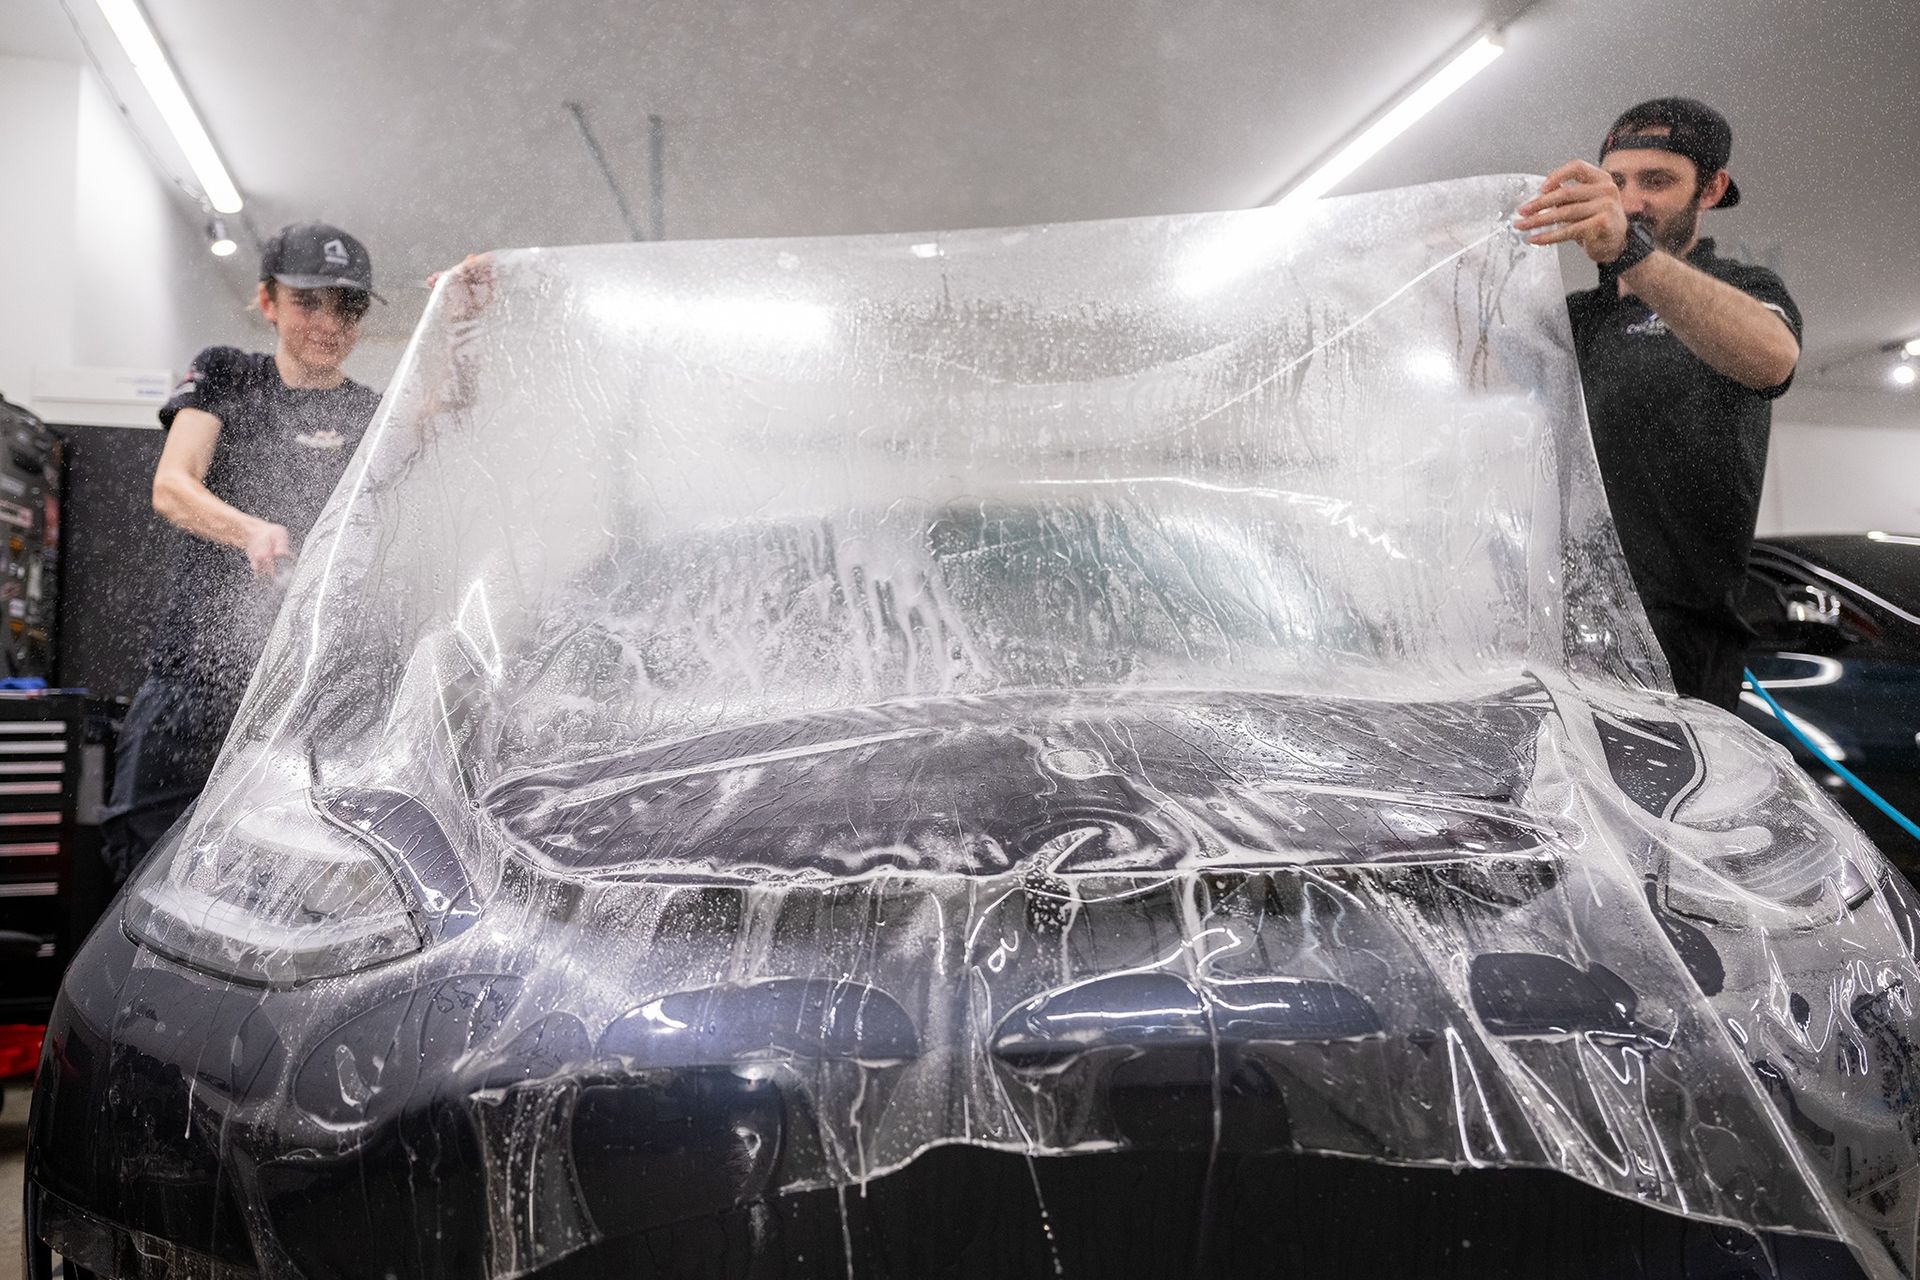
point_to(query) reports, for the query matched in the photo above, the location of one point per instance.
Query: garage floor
(13, 1153)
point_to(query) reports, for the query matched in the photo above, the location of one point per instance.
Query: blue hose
(1879, 802)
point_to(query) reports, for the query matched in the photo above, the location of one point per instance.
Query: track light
(1903, 372)
(218, 240)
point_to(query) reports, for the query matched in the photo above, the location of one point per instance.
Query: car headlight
(278, 897)
(1760, 846)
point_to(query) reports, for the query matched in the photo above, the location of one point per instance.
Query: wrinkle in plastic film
(931, 677)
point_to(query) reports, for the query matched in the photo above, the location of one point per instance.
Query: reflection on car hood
(1140, 783)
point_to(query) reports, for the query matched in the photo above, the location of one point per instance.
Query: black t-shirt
(1682, 449)
(280, 452)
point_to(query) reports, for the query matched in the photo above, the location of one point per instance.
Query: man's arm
(1732, 332)
(180, 495)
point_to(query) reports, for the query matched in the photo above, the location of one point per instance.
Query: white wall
(375, 359)
(147, 291)
(38, 103)
(1829, 477)
(104, 263)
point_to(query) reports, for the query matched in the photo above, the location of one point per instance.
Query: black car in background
(1838, 647)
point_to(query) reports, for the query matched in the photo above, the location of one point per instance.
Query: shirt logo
(323, 438)
(336, 253)
(1652, 327)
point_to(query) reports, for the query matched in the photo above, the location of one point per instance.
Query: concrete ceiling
(435, 127)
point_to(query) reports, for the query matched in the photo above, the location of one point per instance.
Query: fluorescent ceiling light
(1468, 63)
(136, 37)
(1913, 346)
(1903, 375)
(1251, 240)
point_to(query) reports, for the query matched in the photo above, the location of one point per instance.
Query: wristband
(1640, 245)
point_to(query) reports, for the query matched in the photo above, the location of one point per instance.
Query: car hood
(1139, 783)
(1530, 929)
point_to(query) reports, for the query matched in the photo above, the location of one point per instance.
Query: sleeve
(1770, 292)
(211, 381)
(366, 406)
(1580, 315)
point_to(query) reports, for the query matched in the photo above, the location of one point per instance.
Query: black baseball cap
(1694, 130)
(317, 255)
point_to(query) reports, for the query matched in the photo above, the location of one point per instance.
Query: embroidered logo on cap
(336, 253)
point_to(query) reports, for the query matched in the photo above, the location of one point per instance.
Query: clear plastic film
(968, 687)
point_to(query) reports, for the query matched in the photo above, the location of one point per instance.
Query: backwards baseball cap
(1694, 130)
(316, 255)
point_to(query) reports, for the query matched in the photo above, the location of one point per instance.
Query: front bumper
(450, 1118)
(969, 1212)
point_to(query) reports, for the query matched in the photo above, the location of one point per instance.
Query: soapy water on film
(1214, 616)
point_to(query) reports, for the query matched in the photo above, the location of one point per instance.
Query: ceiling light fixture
(1902, 372)
(218, 240)
(156, 73)
(1394, 121)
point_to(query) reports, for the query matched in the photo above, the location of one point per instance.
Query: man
(1682, 353)
(255, 445)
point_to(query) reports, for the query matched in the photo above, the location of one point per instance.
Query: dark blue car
(1838, 623)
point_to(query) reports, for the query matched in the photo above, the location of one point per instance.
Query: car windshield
(628, 495)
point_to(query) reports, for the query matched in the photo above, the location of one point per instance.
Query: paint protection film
(757, 711)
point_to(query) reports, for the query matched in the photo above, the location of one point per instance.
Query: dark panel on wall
(117, 555)
(30, 472)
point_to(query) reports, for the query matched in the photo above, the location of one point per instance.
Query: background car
(1838, 624)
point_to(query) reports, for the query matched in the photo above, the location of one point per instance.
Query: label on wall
(103, 396)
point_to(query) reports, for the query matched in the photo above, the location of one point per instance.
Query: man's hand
(267, 546)
(1577, 202)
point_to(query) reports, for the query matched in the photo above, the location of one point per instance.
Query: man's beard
(1676, 233)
